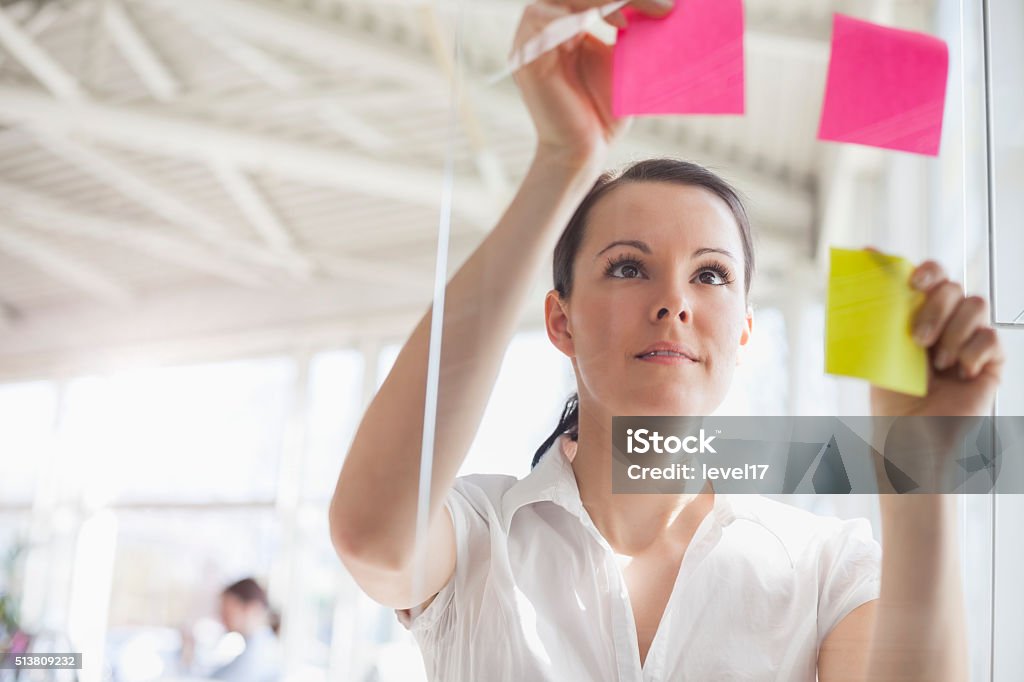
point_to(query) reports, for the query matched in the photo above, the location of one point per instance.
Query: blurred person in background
(244, 609)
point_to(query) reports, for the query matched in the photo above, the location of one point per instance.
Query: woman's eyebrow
(642, 246)
(635, 243)
(707, 249)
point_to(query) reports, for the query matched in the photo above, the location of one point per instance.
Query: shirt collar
(262, 632)
(553, 480)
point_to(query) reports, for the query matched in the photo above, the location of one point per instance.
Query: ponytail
(568, 424)
(274, 621)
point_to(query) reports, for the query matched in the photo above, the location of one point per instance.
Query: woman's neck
(630, 523)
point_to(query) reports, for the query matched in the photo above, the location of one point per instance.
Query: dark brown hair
(248, 591)
(665, 170)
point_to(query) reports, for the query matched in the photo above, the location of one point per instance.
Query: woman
(553, 577)
(244, 609)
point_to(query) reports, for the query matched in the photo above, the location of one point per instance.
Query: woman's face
(659, 262)
(232, 613)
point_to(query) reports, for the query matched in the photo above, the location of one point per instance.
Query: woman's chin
(653, 404)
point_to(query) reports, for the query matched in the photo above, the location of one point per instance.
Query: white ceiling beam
(330, 42)
(129, 182)
(281, 78)
(138, 52)
(66, 269)
(354, 128)
(38, 21)
(194, 325)
(159, 133)
(39, 63)
(254, 205)
(42, 214)
(763, 32)
(318, 40)
(309, 96)
(782, 205)
(258, 63)
(8, 315)
(165, 204)
(20, 10)
(370, 270)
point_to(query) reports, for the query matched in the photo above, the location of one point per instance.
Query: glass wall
(1004, 24)
(152, 457)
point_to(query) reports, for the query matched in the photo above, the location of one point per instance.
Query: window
(27, 413)
(180, 434)
(335, 407)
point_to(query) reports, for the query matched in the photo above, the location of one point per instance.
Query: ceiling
(181, 169)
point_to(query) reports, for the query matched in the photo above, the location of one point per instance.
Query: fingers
(571, 45)
(969, 315)
(652, 8)
(539, 14)
(981, 350)
(536, 16)
(955, 326)
(926, 275)
(617, 19)
(597, 78)
(941, 300)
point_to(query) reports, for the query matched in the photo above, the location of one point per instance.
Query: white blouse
(538, 594)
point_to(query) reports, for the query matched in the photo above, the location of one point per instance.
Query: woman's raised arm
(373, 512)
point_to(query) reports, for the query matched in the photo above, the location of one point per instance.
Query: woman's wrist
(574, 163)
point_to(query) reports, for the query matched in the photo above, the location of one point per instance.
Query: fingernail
(923, 333)
(667, 4)
(920, 280)
(942, 361)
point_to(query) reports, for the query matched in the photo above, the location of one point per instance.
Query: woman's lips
(667, 359)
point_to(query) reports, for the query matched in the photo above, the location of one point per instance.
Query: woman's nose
(672, 300)
(681, 309)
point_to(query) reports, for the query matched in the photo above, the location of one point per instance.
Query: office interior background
(220, 219)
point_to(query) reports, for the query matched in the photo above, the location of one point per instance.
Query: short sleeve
(468, 522)
(851, 569)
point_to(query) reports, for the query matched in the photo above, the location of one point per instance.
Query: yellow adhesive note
(868, 321)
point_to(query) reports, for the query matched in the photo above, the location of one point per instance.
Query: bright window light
(197, 433)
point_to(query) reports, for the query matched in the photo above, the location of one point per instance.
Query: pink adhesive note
(688, 62)
(886, 87)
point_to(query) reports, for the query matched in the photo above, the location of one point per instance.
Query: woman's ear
(745, 333)
(556, 322)
(748, 326)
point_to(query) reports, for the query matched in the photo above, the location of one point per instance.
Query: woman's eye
(709, 276)
(629, 271)
(625, 270)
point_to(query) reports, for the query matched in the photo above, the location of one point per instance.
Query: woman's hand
(568, 90)
(965, 357)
